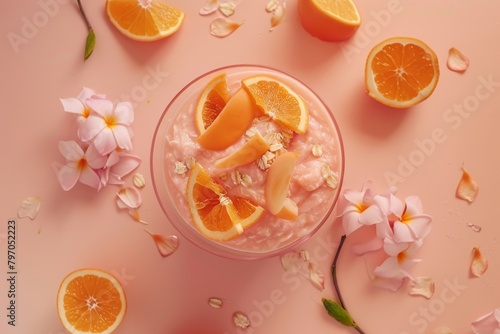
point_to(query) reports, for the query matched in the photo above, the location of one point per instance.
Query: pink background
(82, 228)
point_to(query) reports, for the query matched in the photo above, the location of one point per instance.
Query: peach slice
(250, 151)
(278, 180)
(232, 122)
(289, 211)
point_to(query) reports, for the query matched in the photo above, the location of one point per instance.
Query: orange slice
(144, 20)
(91, 301)
(279, 102)
(232, 122)
(278, 180)
(253, 149)
(329, 20)
(401, 72)
(248, 212)
(216, 215)
(212, 100)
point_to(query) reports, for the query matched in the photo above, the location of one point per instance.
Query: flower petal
(73, 105)
(316, 277)
(292, 262)
(487, 324)
(223, 27)
(90, 178)
(402, 232)
(126, 164)
(457, 60)
(372, 215)
(278, 15)
(70, 150)
(29, 207)
(105, 141)
(422, 286)
(134, 213)
(209, 7)
(479, 263)
(122, 137)
(124, 112)
(94, 159)
(166, 245)
(87, 93)
(91, 128)
(467, 188)
(101, 106)
(129, 198)
(67, 175)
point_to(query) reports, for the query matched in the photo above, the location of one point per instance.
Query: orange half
(212, 100)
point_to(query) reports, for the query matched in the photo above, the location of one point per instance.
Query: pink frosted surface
(425, 147)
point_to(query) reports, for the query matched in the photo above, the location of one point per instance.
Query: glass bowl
(174, 140)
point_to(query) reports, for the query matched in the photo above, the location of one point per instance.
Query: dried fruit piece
(166, 245)
(209, 7)
(223, 27)
(422, 286)
(457, 60)
(467, 188)
(278, 15)
(289, 211)
(278, 180)
(241, 320)
(479, 263)
(29, 207)
(253, 149)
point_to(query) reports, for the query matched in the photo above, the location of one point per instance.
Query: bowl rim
(199, 240)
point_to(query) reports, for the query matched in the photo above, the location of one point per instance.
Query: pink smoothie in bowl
(315, 183)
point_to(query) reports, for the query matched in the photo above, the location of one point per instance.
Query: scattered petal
(278, 15)
(271, 6)
(215, 302)
(29, 207)
(137, 217)
(467, 188)
(208, 8)
(316, 277)
(457, 60)
(241, 320)
(479, 263)
(227, 8)
(223, 27)
(422, 286)
(139, 181)
(475, 228)
(166, 245)
(488, 323)
(304, 255)
(129, 198)
(292, 262)
(443, 330)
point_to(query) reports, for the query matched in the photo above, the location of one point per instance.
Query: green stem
(335, 280)
(83, 14)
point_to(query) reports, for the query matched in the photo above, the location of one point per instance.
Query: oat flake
(215, 302)
(139, 180)
(241, 320)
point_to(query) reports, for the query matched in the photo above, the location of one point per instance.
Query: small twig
(335, 280)
(83, 14)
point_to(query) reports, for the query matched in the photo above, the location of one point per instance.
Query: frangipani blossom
(79, 165)
(108, 128)
(78, 105)
(360, 209)
(488, 323)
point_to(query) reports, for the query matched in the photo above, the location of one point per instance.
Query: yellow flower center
(110, 121)
(86, 112)
(82, 164)
(402, 257)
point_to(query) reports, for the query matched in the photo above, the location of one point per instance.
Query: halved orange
(215, 214)
(253, 149)
(144, 20)
(212, 100)
(248, 211)
(401, 72)
(91, 301)
(278, 101)
(329, 20)
(232, 122)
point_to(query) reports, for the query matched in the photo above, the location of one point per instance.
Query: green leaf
(337, 312)
(89, 44)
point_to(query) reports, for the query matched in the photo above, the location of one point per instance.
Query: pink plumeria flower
(108, 128)
(488, 323)
(360, 209)
(394, 270)
(80, 165)
(406, 221)
(78, 105)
